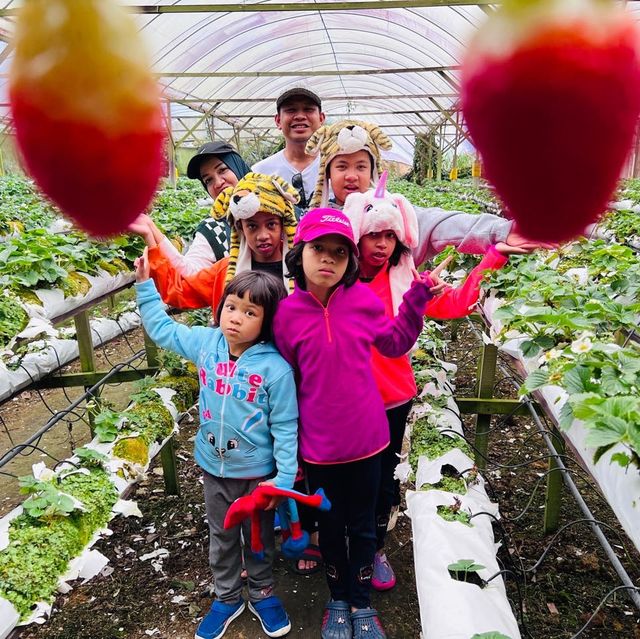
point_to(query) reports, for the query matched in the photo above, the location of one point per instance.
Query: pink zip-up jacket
(342, 416)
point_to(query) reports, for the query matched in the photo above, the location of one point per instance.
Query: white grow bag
(55, 304)
(59, 352)
(451, 609)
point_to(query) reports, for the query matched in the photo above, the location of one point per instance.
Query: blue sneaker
(272, 615)
(217, 620)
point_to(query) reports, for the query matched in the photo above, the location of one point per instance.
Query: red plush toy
(551, 95)
(251, 505)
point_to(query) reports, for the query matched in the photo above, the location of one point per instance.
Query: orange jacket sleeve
(453, 303)
(199, 290)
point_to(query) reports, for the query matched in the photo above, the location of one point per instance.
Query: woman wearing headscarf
(217, 165)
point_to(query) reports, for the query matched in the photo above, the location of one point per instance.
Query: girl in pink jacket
(325, 330)
(386, 229)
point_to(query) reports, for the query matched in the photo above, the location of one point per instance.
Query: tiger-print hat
(343, 138)
(255, 193)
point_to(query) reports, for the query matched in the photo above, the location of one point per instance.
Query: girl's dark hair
(264, 289)
(400, 250)
(293, 261)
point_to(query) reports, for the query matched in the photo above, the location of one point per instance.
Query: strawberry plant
(466, 570)
(90, 458)
(603, 383)
(106, 425)
(46, 501)
(13, 317)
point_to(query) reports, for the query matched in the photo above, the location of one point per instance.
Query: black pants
(348, 530)
(389, 493)
(308, 516)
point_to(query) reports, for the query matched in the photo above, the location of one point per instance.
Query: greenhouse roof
(222, 65)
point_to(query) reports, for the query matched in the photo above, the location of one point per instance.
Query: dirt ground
(136, 600)
(133, 598)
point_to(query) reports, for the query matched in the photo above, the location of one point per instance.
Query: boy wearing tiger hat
(350, 162)
(260, 212)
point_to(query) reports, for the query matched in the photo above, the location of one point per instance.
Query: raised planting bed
(46, 541)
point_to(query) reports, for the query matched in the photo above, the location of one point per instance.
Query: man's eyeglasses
(298, 185)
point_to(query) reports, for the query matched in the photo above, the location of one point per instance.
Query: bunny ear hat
(378, 210)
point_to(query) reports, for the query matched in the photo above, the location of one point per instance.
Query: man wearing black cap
(299, 115)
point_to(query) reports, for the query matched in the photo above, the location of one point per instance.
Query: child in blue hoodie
(247, 435)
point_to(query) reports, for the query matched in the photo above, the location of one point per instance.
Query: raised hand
(141, 264)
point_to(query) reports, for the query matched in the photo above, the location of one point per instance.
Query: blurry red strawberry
(86, 110)
(551, 97)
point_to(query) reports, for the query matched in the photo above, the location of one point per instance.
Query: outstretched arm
(394, 337)
(164, 331)
(187, 291)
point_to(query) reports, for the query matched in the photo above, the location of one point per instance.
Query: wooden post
(151, 350)
(553, 496)
(170, 468)
(87, 357)
(486, 379)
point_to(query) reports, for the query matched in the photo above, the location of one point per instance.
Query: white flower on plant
(41, 472)
(551, 354)
(582, 345)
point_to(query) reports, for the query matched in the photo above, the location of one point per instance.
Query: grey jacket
(469, 233)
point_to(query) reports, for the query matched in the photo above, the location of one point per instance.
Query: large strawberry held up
(86, 110)
(551, 97)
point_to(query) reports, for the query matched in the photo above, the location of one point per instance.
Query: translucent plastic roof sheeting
(296, 42)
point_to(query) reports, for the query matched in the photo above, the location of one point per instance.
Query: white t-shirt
(277, 164)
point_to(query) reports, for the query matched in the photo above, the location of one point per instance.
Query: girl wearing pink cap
(325, 329)
(386, 229)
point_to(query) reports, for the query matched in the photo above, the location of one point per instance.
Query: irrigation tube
(16, 450)
(569, 483)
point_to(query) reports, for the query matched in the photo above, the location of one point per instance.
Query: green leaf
(621, 458)
(490, 635)
(600, 452)
(603, 433)
(465, 565)
(584, 405)
(529, 348)
(536, 380)
(577, 379)
(566, 416)
(545, 342)
(610, 382)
